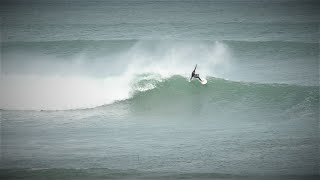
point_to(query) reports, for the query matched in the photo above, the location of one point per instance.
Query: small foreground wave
(104, 173)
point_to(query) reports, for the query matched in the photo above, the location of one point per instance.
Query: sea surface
(102, 90)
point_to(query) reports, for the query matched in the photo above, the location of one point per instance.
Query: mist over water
(81, 84)
(101, 89)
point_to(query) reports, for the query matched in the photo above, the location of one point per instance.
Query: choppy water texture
(101, 89)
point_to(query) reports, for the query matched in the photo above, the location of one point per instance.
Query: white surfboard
(204, 81)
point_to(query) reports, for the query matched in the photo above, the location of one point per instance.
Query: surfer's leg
(197, 76)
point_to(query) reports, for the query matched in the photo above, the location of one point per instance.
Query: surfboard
(204, 81)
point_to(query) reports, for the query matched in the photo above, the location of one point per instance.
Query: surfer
(194, 75)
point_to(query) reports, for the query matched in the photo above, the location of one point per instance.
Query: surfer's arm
(195, 68)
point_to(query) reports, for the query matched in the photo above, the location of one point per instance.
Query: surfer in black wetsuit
(194, 75)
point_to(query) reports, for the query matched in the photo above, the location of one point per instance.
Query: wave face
(150, 90)
(177, 95)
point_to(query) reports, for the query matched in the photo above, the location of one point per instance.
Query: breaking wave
(87, 75)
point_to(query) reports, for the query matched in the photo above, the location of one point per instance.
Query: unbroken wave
(218, 95)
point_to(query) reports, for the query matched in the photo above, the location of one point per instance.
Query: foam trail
(63, 92)
(60, 93)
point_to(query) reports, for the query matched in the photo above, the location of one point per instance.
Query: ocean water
(101, 89)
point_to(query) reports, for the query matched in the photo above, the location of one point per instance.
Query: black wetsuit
(194, 75)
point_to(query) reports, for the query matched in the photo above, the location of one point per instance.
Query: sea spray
(23, 89)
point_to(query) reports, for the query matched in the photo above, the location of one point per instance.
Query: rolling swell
(78, 45)
(104, 173)
(105, 49)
